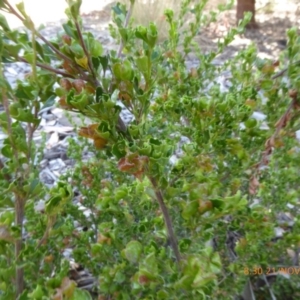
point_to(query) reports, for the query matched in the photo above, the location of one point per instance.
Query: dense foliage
(159, 227)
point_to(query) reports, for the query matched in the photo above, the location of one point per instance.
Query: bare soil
(273, 17)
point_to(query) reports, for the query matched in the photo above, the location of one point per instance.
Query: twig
(167, 219)
(129, 13)
(121, 124)
(280, 73)
(47, 67)
(86, 53)
(270, 143)
(50, 222)
(59, 53)
(32, 127)
(19, 202)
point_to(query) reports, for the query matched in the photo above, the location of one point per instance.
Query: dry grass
(146, 11)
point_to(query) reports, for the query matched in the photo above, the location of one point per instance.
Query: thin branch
(167, 218)
(9, 126)
(49, 68)
(19, 200)
(280, 73)
(121, 124)
(13, 11)
(50, 222)
(32, 127)
(7, 177)
(86, 53)
(270, 143)
(127, 19)
(19, 218)
(59, 53)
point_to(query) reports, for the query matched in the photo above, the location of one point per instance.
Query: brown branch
(59, 53)
(280, 73)
(47, 67)
(86, 53)
(121, 125)
(270, 143)
(13, 11)
(19, 203)
(129, 13)
(167, 218)
(50, 222)
(19, 218)
(9, 128)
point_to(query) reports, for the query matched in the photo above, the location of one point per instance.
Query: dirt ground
(274, 17)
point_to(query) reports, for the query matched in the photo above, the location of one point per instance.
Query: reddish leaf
(78, 85)
(65, 84)
(254, 184)
(99, 142)
(133, 164)
(88, 132)
(68, 286)
(58, 295)
(67, 40)
(63, 104)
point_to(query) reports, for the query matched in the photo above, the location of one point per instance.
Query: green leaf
(96, 62)
(218, 203)
(62, 195)
(151, 264)
(190, 209)
(141, 33)
(133, 251)
(40, 49)
(49, 102)
(3, 23)
(124, 34)
(80, 294)
(184, 282)
(78, 101)
(74, 8)
(23, 115)
(37, 294)
(121, 193)
(33, 188)
(117, 9)
(53, 205)
(118, 149)
(142, 64)
(7, 151)
(152, 35)
(77, 49)
(13, 50)
(123, 71)
(21, 7)
(104, 62)
(96, 49)
(70, 31)
(29, 56)
(251, 123)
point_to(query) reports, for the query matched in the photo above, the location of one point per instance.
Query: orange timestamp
(257, 271)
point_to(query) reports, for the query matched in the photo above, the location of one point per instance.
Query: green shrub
(158, 228)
